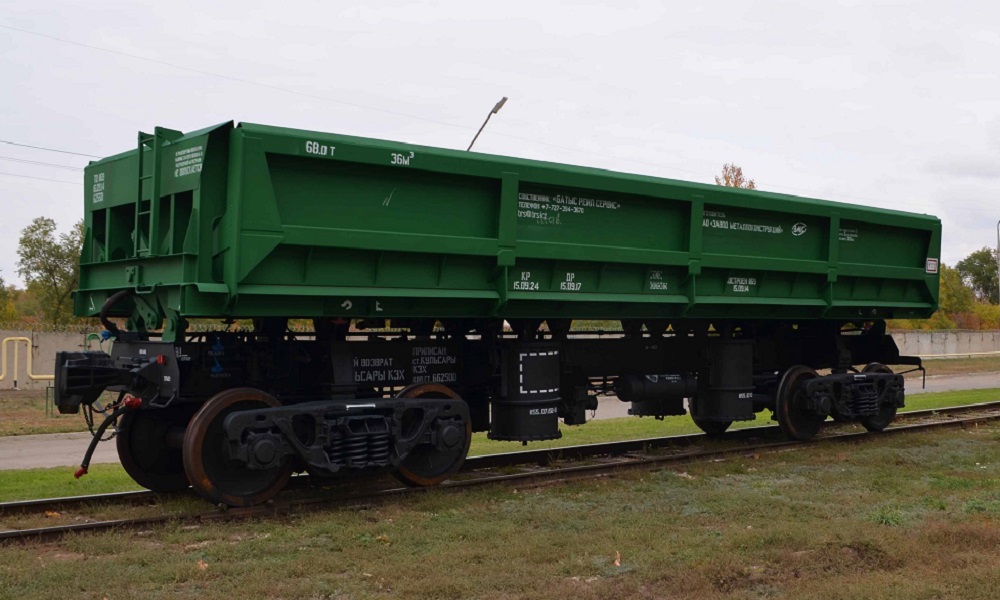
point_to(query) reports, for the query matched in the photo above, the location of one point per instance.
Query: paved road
(66, 449)
(947, 383)
(52, 450)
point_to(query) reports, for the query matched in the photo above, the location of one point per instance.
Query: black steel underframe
(734, 373)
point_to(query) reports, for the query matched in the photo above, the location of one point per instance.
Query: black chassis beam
(161, 373)
(309, 430)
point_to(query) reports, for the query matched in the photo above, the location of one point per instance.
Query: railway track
(537, 467)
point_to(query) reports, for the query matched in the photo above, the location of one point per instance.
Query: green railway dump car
(442, 287)
(256, 221)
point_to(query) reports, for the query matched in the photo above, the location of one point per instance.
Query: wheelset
(430, 464)
(206, 460)
(795, 415)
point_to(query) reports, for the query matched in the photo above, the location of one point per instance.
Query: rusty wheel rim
(206, 461)
(426, 466)
(796, 421)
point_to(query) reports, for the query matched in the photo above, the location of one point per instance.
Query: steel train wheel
(206, 462)
(796, 420)
(886, 411)
(150, 459)
(428, 465)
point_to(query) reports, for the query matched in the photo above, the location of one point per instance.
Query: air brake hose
(106, 308)
(85, 465)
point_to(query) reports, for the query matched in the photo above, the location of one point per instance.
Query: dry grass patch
(22, 412)
(959, 366)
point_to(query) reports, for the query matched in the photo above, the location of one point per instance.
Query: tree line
(49, 264)
(968, 296)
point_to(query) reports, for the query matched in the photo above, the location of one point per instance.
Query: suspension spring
(378, 448)
(865, 400)
(335, 449)
(357, 451)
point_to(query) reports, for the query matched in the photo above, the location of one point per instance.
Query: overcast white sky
(890, 104)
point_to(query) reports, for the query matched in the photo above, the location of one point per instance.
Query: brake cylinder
(656, 395)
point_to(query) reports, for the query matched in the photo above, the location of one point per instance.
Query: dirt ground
(22, 412)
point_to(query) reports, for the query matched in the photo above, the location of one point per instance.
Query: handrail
(3, 359)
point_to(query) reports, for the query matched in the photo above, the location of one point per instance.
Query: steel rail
(559, 474)
(542, 457)
(43, 504)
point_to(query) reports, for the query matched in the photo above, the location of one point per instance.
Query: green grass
(627, 428)
(57, 482)
(946, 399)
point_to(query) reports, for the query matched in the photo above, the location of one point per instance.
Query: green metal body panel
(257, 221)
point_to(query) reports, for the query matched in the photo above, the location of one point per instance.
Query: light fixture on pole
(495, 110)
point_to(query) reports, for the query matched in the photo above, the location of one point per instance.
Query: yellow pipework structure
(3, 359)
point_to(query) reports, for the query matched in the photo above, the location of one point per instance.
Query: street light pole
(998, 262)
(496, 109)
